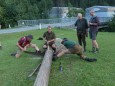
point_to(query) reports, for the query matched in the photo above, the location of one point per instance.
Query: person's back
(69, 44)
(23, 41)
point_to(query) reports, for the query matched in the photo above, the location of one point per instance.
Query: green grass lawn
(76, 72)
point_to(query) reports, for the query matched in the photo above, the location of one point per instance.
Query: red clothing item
(23, 42)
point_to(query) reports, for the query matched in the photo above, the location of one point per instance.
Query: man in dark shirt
(82, 28)
(73, 48)
(23, 44)
(93, 25)
(49, 37)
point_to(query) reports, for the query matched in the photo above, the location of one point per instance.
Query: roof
(102, 6)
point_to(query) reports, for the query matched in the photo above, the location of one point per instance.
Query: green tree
(45, 7)
(111, 25)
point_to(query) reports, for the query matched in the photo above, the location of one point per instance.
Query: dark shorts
(93, 34)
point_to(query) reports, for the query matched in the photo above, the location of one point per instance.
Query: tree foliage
(13, 10)
(111, 25)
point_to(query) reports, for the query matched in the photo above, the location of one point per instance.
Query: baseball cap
(30, 36)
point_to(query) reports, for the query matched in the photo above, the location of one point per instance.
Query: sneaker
(13, 54)
(97, 50)
(93, 52)
(90, 59)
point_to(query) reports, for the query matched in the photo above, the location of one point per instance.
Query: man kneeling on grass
(73, 48)
(23, 44)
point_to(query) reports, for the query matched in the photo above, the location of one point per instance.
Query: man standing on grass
(82, 29)
(49, 37)
(73, 48)
(23, 44)
(93, 25)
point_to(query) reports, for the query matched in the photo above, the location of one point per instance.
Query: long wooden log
(44, 71)
(0, 45)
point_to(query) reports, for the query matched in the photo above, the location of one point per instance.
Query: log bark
(0, 45)
(44, 71)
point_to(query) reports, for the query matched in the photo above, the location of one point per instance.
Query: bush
(111, 25)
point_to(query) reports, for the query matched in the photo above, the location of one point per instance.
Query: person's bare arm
(51, 40)
(20, 46)
(23, 49)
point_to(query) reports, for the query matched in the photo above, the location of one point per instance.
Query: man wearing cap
(73, 48)
(49, 37)
(82, 29)
(24, 43)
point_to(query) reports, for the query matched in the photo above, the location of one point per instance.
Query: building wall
(58, 12)
(61, 12)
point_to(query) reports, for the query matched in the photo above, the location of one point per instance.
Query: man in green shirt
(49, 37)
(73, 48)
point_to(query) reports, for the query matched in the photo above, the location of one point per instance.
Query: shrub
(111, 25)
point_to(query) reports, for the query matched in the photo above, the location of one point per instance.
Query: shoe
(54, 57)
(90, 59)
(54, 54)
(93, 52)
(97, 50)
(40, 38)
(38, 51)
(13, 54)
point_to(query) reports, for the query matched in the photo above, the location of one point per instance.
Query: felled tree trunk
(0, 46)
(44, 71)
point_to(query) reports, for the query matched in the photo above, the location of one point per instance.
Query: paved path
(26, 28)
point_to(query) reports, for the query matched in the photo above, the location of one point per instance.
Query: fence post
(40, 27)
